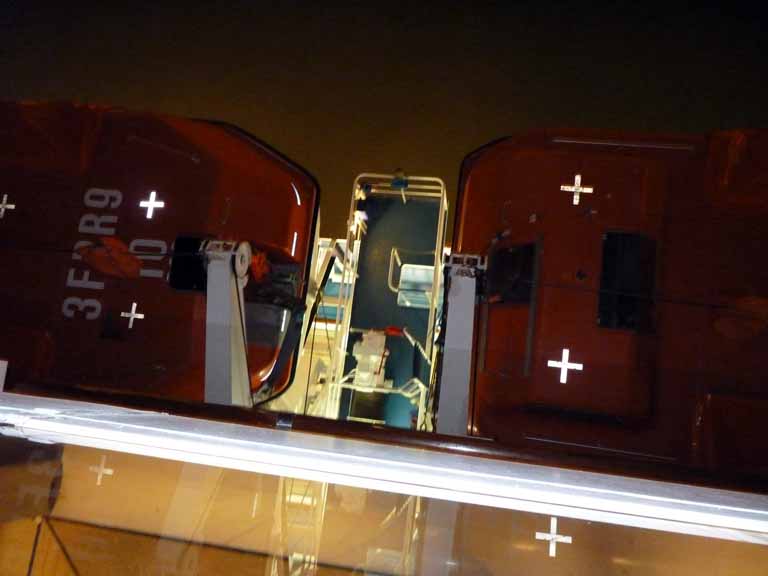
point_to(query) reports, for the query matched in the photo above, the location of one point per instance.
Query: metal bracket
(469, 265)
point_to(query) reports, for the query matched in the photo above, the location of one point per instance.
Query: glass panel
(70, 510)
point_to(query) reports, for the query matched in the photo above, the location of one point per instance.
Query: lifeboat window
(627, 282)
(187, 268)
(510, 273)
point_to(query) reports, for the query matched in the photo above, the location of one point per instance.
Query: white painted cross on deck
(101, 470)
(553, 537)
(577, 189)
(151, 204)
(564, 366)
(132, 315)
(5, 206)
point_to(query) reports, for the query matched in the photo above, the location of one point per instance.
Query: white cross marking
(101, 470)
(564, 366)
(5, 206)
(553, 537)
(577, 189)
(151, 204)
(132, 315)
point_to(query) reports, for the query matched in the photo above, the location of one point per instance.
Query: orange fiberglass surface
(625, 308)
(96, 204)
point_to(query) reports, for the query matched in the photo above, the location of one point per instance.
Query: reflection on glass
(79, 511)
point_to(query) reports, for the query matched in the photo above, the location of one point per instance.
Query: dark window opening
(368, 405)
(510, 273)
(187, 265)
(627, 282)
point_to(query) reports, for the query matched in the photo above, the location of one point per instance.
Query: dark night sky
(343, 88)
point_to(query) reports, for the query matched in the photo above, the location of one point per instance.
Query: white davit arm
(227, 380)
(461, 291)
